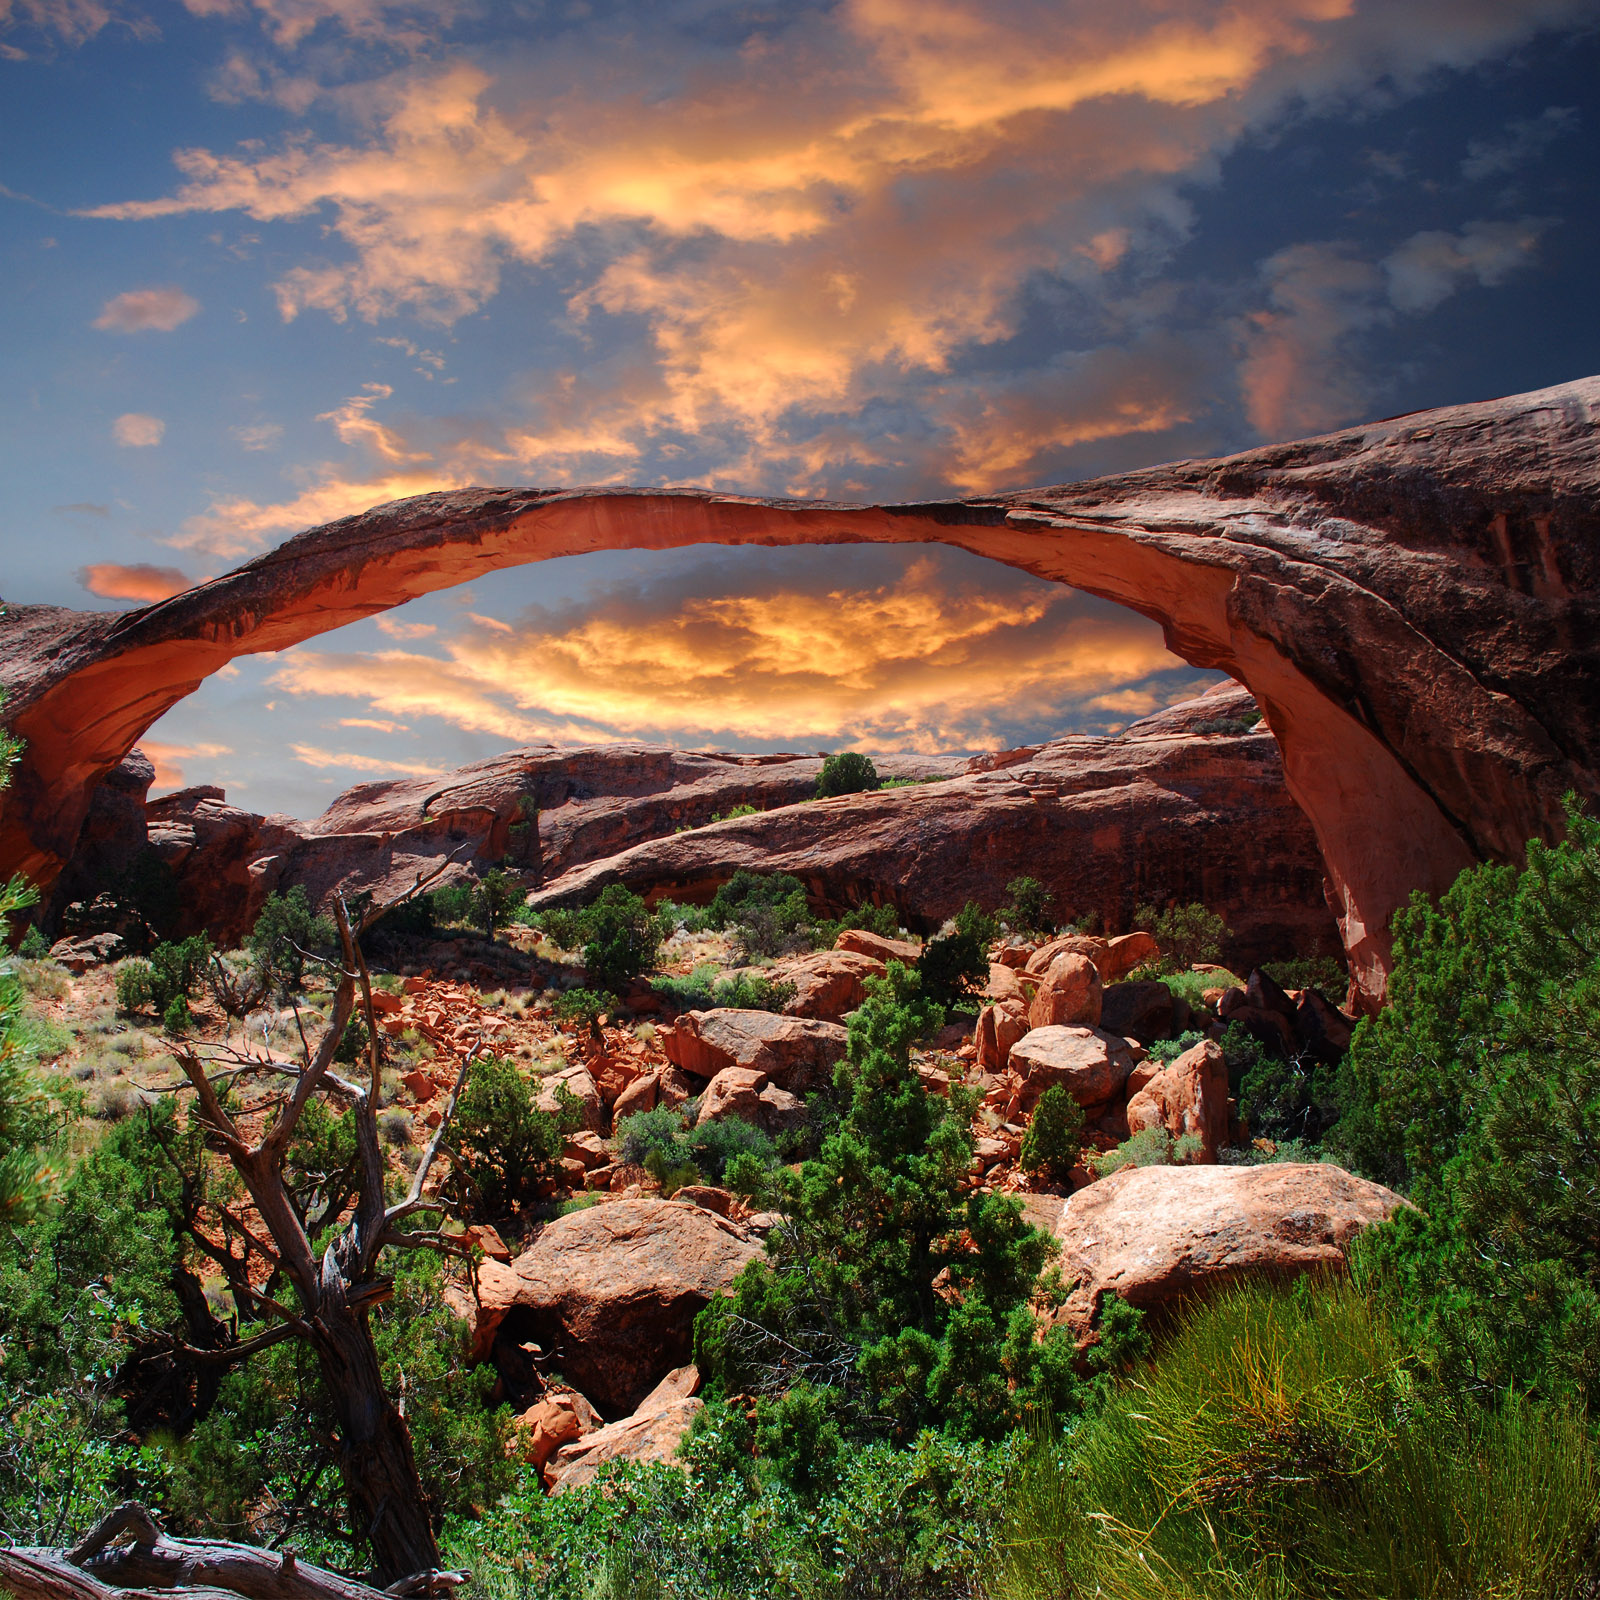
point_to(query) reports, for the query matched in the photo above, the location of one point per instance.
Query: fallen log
(109, 1566)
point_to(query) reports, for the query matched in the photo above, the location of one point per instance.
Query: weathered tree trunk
(387, 1506)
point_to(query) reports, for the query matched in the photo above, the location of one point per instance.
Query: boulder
(828, 983)
(1091, 1064)
(1190, 1097)
(734, 1092)
(577, 1081)
(610, 1293)
(1141, 1011)
(648, 1435)
(796, 1053)
(1158, 1235)
(1069, 994)
(1266, 994)
(1003, 984)
(1321, 1027)
(88, 950)
(999, 1028)
(547, 1425)
(721, 1201)
(640, 1095)
(1083, 944)
(878, 947)
(673, 1086)
(1126, 952)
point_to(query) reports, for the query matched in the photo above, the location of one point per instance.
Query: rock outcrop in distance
(1163, 812)
(1415, 604)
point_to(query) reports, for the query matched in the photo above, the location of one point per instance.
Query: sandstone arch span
(1415, 604)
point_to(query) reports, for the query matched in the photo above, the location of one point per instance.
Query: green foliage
(1186, 934)
(1149, 1147)
(1026, 909)
(450, 905)
(735, 811)
(883, 920)
(507, 1150)
(664, 1144)
(1327, 973)
(621, 937)
(912, 1524)
(1286, 1445)
(176, 1019)
(955, 965)
(1054, 1140)
(1165, 1051)
(285, 934)
(583, 1008)
(744, 991)
(169, 975)
(34, 946)
(493, 897)
(846, 1301)
(1233, 725)
(1282, 1097)
(1478, 1090)
(1186, 986)
(846, 773)
(767, 912)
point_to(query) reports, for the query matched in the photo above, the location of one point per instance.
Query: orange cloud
(926, 661)
(168, 758)
(373, 766)
(137, 581)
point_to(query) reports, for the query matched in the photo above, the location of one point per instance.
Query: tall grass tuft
(1284, 1446)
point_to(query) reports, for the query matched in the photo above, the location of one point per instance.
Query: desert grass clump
(1286, 1445)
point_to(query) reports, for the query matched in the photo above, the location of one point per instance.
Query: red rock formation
(1415, 604)
(1157, 1235)
(1162, 815)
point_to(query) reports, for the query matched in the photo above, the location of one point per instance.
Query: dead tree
(331, 1296)
(127, 1554)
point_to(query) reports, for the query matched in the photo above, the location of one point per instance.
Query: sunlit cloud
(168, 760)
(842, 220)
(260, 436)
(138, 580)
(397, 629)
(407, 23)
(137, 430)
(147, 311)
(377, 723)
(925, 661)
(373, 766)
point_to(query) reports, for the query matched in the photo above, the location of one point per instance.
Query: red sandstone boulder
(577, 1081)
(734, 1092)
(640, 1095)
(999, 1028)
(828, 983)
(878, 947)
(550, 1423)
(1188, 1098)
(653, 1433)
(1089, 1063)
(1142, 1011)
(1157, 1235)
(796, 1053)
(611, 1293)
(1124, 953)
(1068, 994)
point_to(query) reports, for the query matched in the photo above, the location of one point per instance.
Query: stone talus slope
(1415, 604)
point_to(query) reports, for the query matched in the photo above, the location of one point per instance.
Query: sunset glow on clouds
(931, 660)
(277, 261)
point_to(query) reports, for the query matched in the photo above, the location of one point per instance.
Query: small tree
(1051, 1146)
(956, 964)
(847, 773)
(506, 1149)
(494, 896)
(286, 934)
(623, 937)
(1026, 907)
(1187, 934)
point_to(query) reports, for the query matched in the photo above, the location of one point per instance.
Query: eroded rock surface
(1156, 1235)
(796, 1053)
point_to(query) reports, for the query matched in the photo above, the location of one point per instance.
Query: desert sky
(269, 262)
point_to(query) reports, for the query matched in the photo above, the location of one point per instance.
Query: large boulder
(610, 1293)
(878, 947)
(1089, 1063)
(1142, 1011)
(1157, 1235)
(828, 983)
(1069, 994)
(796, 1053)
(999, 1029)
(1188, 1099)
(579, 1083)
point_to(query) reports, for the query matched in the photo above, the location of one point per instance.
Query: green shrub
(583, 1008)
(1149, 1147)
(1327, 973)
(176, 1019)
(1187, 986)
(1187, 934)
(702, 990)
(622, 937)
(451, 905)
(882, 920)
(1027, 906)
(34, 946)
(286, 933)
(735, 811)
(1054, 1140)
(847, 773)
(494, 896)
(135, 985)
(1165, 1051)
(170, 974)
(955, 965)
(507, 1150)
(1286, 1444)
(664, 1144)
(1478, 1090)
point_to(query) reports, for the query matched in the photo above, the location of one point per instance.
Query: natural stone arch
(1415, 604)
